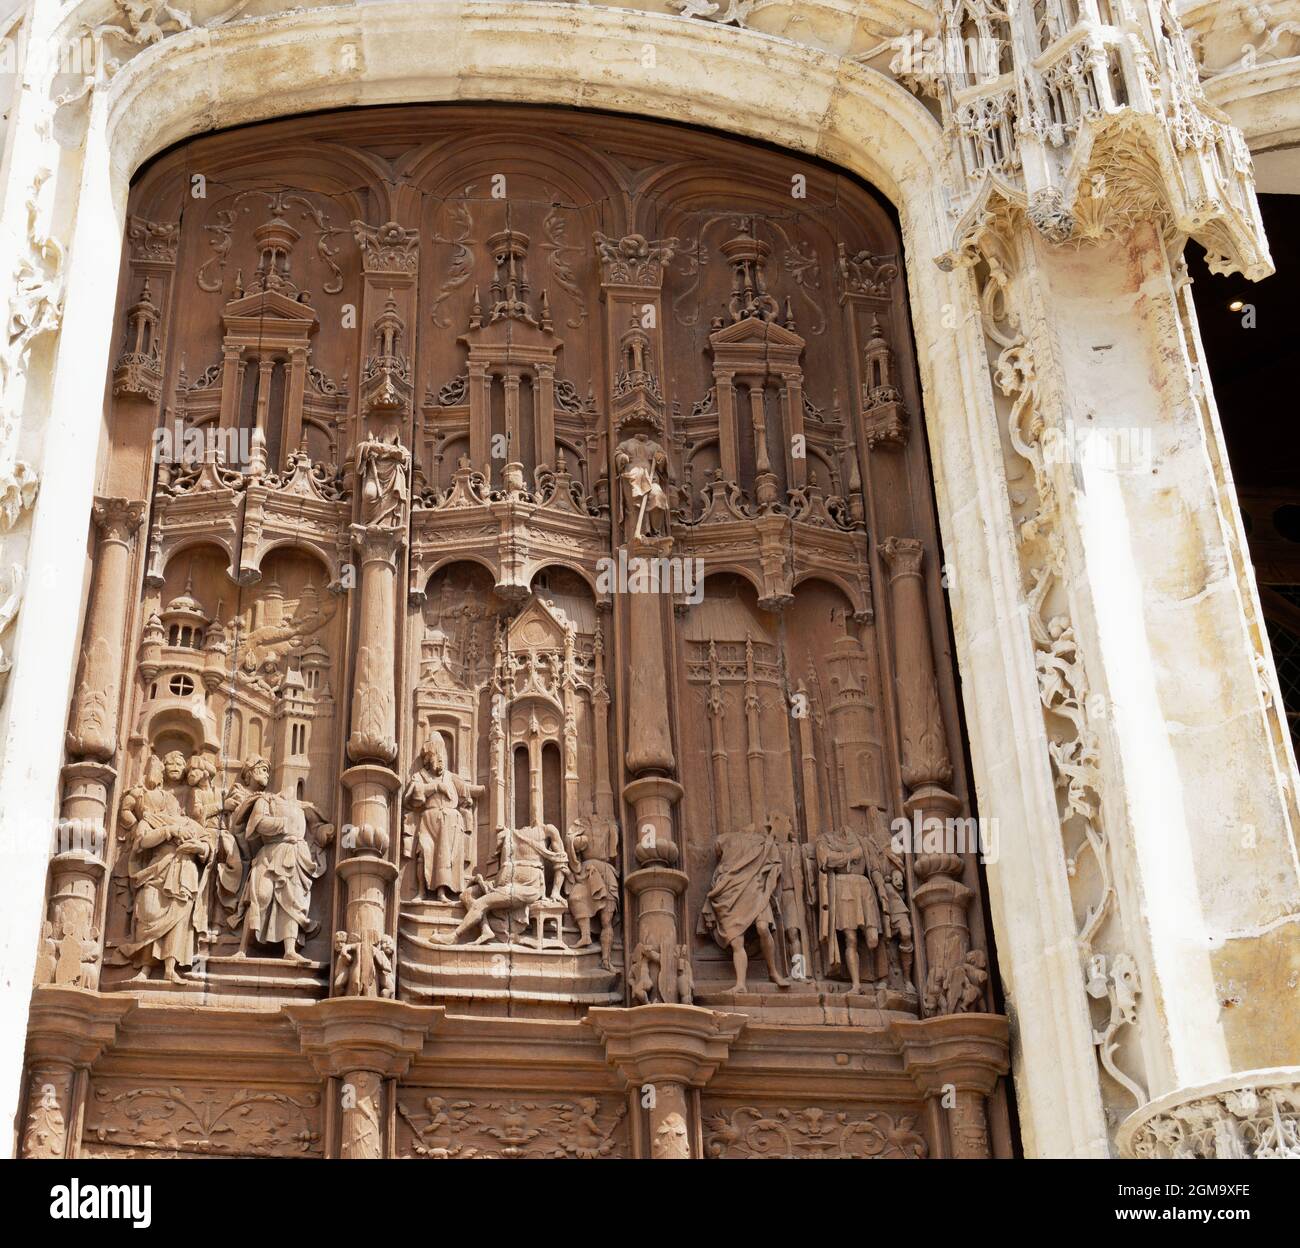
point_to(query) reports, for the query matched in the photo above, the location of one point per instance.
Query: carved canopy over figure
(746, 881)
(440, 836)
(167, 850)
(643, 468)
(285, 838)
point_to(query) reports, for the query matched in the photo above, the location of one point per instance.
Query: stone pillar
(68, 1030)
(70, 952)
(365, 854)
(92, 732)
(956, 1062)
(664, 1052)
(374, 705)
(940, 895)
(361, 1048)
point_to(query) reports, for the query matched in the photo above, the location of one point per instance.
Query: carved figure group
(193, 857)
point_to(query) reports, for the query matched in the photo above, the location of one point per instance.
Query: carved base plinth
(535, 976)
(246, 983)
(814, 1003)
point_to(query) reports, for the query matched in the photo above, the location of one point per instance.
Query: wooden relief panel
(516, 590)
(443, 1125)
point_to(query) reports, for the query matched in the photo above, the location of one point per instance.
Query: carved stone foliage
(1251, 1122)
(443, 1126)
(197, 1121)
(809, 1133)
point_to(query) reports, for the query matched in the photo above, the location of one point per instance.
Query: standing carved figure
(285, 839)
(594, 845)
(439, 838)
(790, 896)
(745, 883)
(847, 907)
(384, 491)
(203, 805)
(168, 849)
(642, 467)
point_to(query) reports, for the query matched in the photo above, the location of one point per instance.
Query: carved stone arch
(443, 168)
(849, 101)
(852, 590)
(327, 558)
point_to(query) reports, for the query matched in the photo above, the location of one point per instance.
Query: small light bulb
(1236, 305)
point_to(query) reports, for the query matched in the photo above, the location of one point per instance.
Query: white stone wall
(1123, 718)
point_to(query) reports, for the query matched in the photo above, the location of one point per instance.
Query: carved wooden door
(518, 591)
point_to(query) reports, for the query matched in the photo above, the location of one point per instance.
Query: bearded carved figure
(285, 838)
(441, 829)
(168, 853)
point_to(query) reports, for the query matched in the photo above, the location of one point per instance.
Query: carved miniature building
(520, 704)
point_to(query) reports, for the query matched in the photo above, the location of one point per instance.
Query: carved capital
(1254, 1114)
(117, 519)
(346, 1034)
(903, 556)
(633, 260)
(658, 1044)
(387, 248)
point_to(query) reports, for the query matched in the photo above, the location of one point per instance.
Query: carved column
(956, 1062)
(362, 1048)
(67, 1032)
(941, 897)
(365, 862)
(70, 951)
(665, 1052)
(632, 270)
(92, 732)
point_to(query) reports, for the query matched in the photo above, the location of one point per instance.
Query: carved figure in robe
(746, 882)
(791, 908)
(285, 838)
(671, 1142)
(848, 909)
(384, 490)
(885, 867)
(168, 849)
(440, 835)
(525, 854)
(594, 845)
(203, 805)
(642, 466)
